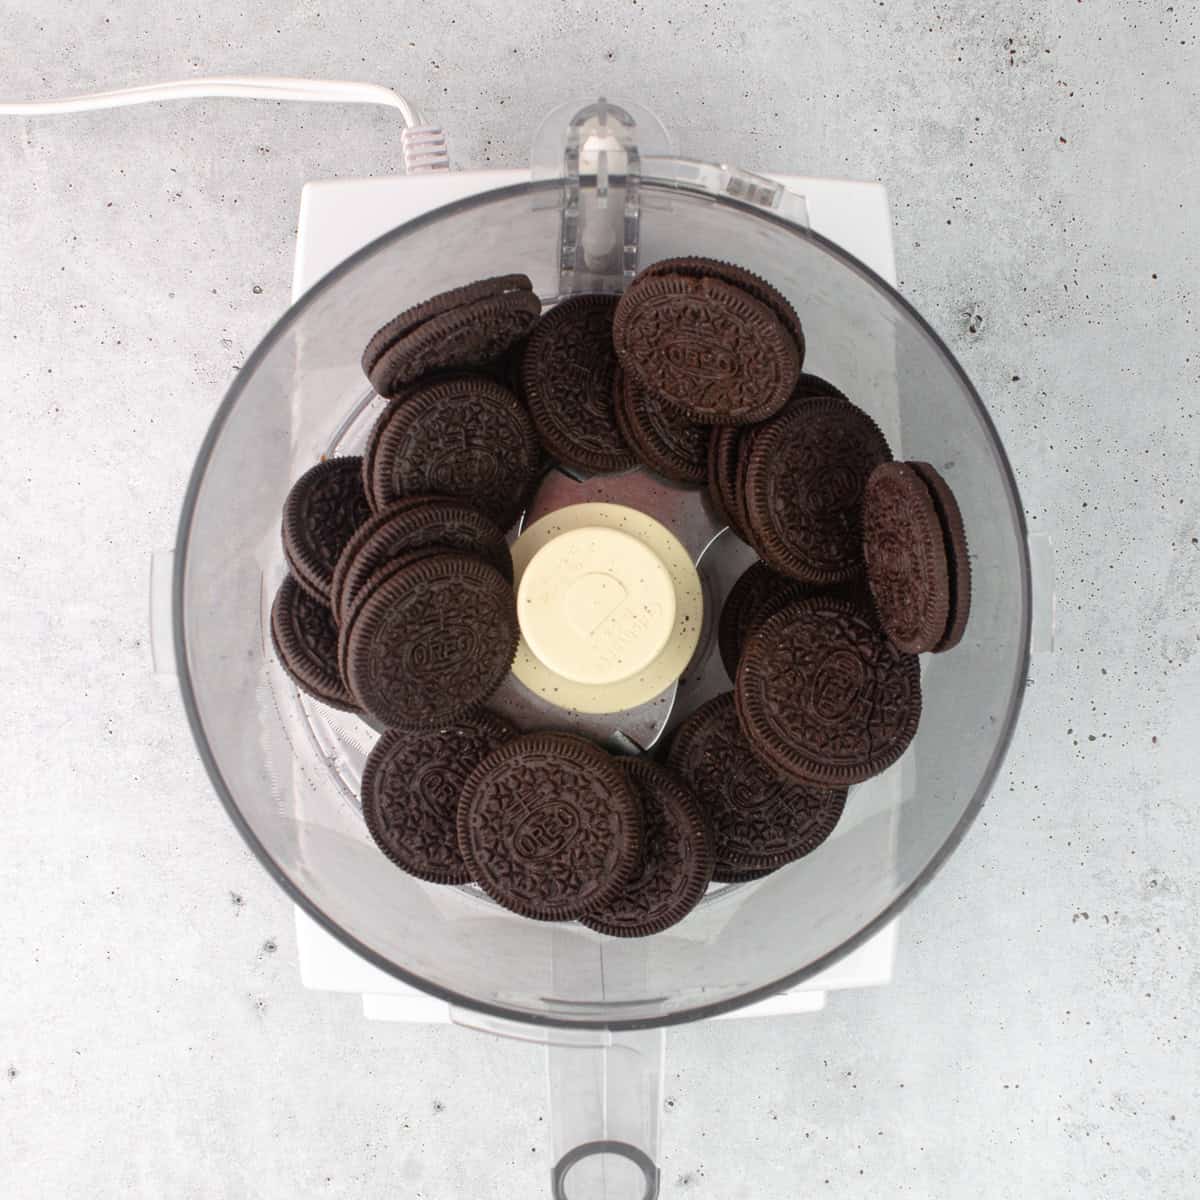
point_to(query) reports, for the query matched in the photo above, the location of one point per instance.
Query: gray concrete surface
(1040, 1038)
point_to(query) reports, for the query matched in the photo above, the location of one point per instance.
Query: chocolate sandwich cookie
(906, 558)
(380, 575)
(431, 641)
(305, 641)
(745, 444)
(713, 482)
(549, 827)
(854, 591)
(463, 437)
(322, 511)
(761, 591)
(436, 306)
(713, 351)
(411, 786)
(723, 450)
(676, 861)
(955, 543)
(404, 527)
(506, 369)
(698, 268)
(463, 327)
(372, 443)
(619, 411)
(397, 402)
(760, 818)
(739, 450)
(661, 436)
(729, 875)
(759, 586)
(804, 487)
(814, 385)
(567, 378)
(824, 695)
(361, 535)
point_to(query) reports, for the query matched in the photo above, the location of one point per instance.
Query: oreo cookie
(411, 786)
(320, 515)
(744, 444)
(661, 437)
(699, 268)
(760, 819)
(713, 481)
(463, 437)
(372, 443)
(759, 588)
(418, 524)
(809, 385)
(378, 577)
(955, 544)
(713, 351)
(676, 861)
(305, 641)
(907, 564)
(463, 327)
(549, 827)
(824, 696)
(731, 875)
(760, 592)
(729, 455)
(506, 369)
(352, 547)
(723, 452)
(804, 485)
(431, 641)
(567, 375)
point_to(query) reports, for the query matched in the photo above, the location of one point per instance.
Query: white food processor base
(338, 217)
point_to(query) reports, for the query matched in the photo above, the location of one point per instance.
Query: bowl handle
(162, 642)
(605, 1093)
(605, 1104)
(1041, 570)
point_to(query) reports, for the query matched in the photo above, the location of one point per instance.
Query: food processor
(606, 196)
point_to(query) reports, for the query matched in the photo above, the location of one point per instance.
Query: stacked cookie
(467, 327)
(716, 343)
(760, 818)
(822, 699)
(399, 601)
(827, 687)
(760, 592)
(568, 369)
(463, 435)
(322, 511)
(819, 636)
(547, 824)
(916, 551)
(415, 622)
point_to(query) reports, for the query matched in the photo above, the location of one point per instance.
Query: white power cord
(424, 145)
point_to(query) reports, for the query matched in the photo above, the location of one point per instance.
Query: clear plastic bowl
(286, 769)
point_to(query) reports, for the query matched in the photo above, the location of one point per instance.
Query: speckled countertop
(1039, 1038)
